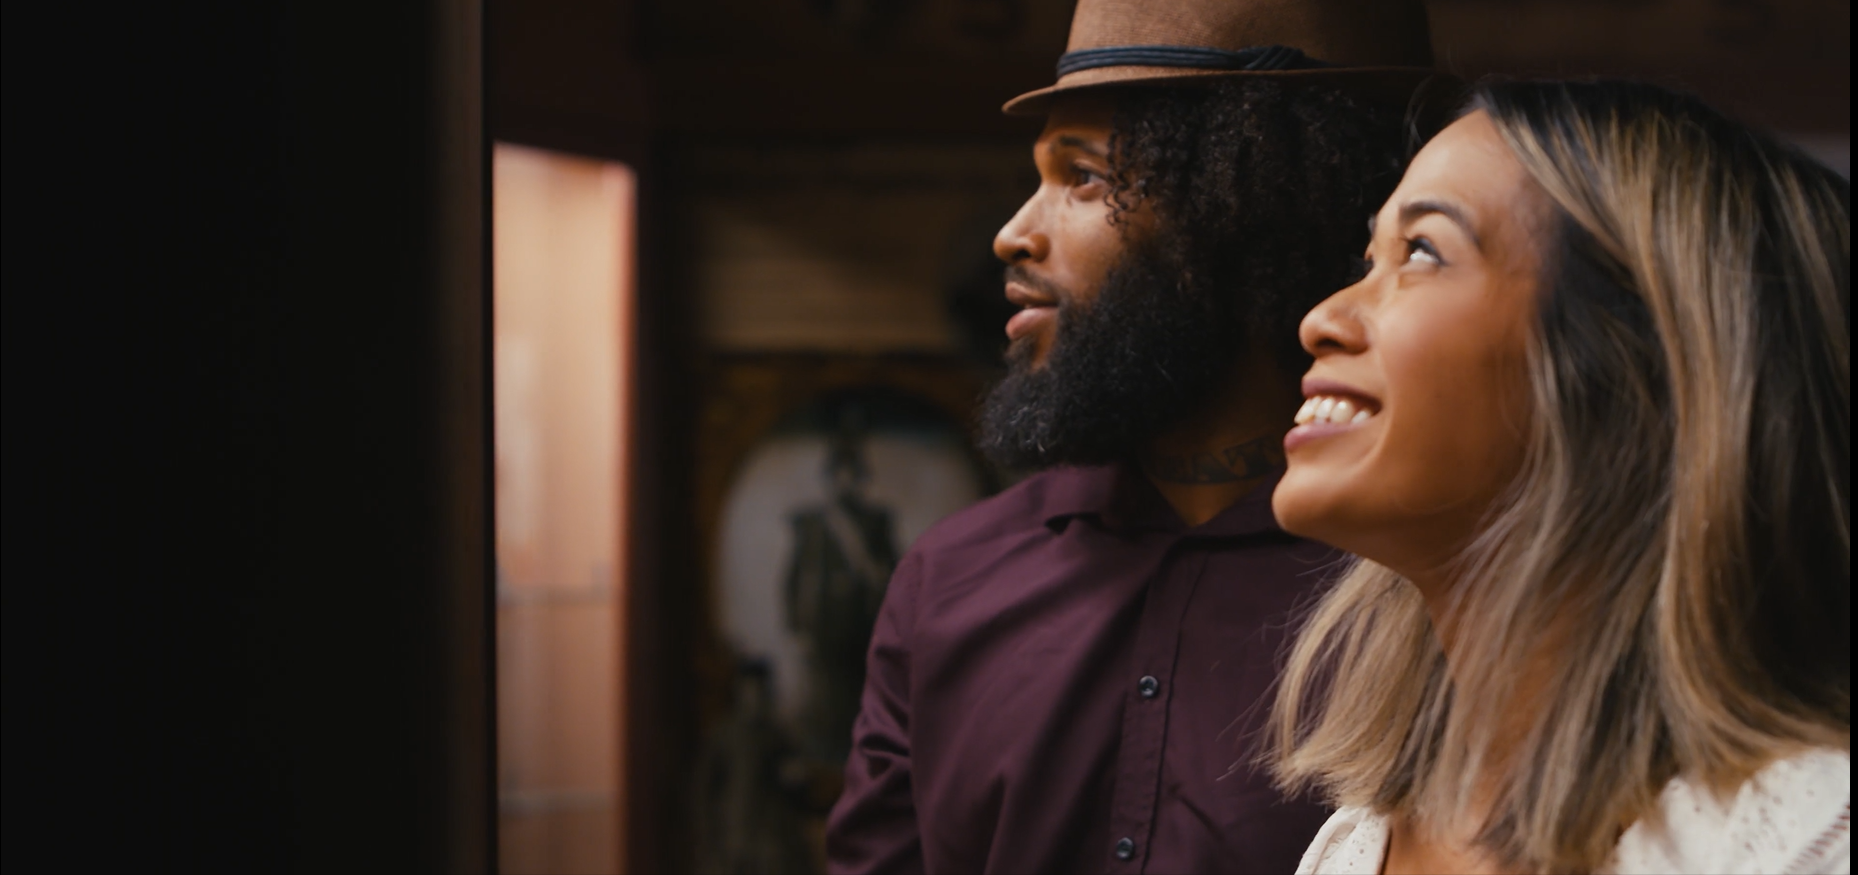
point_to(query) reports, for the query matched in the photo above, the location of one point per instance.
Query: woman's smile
(1330, 408)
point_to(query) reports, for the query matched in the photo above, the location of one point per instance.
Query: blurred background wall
(817, 183)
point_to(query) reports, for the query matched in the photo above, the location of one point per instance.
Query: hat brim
(1397, 82)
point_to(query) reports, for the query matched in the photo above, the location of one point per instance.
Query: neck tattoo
(1235, 464)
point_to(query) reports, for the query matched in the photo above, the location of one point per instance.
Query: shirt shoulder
(1793, 816)
(992, 549)
(1024, 506)
(1352, 842)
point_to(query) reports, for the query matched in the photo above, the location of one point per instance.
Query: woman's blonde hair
(1672, 567)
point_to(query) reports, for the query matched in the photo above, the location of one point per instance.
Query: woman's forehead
(1469, 166)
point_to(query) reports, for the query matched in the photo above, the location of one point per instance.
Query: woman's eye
(1086, 176)
(1420, 249)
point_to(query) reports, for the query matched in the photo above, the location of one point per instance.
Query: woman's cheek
(1476, 443)
(1438, 452)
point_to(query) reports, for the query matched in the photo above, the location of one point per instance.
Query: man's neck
(1213, 460)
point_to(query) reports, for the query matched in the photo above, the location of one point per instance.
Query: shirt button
(1148, 686)
(1125, 849)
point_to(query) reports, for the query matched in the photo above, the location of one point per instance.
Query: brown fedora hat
(1128, 42)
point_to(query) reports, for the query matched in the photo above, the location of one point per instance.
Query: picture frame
(813, 472)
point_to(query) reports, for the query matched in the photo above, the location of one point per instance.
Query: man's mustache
(1017, 273)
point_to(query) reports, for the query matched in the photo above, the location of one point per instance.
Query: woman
(1587, 421)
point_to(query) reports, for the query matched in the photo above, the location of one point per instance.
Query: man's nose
(1019, 239)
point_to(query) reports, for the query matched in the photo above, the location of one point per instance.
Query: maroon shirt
(1065, 678)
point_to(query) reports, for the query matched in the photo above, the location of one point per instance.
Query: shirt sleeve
(873, 827)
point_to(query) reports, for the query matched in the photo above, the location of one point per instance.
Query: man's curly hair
(1262, 187)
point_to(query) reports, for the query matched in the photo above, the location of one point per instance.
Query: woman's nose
(1334, 326)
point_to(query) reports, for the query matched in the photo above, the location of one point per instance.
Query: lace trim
(1815, 854)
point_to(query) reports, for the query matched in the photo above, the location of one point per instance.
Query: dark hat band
(1252, 58)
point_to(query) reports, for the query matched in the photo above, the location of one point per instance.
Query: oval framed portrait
(818, 473)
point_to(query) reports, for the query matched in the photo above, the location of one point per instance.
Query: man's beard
(1147, 353)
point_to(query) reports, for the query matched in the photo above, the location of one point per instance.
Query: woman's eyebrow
(1412, 210)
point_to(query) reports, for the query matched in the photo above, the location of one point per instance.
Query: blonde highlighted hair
(1672, 567)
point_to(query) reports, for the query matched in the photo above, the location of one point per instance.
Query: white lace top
(1792, 817)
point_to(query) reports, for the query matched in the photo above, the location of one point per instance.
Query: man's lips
(1037, 310)
(1029, 321)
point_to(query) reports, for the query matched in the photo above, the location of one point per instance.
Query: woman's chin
(1324, 505)
(1300, 505)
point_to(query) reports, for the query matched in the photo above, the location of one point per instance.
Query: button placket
(1145, 728)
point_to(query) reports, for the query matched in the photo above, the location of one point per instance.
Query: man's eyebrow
(1412, 210)
(1076, 142)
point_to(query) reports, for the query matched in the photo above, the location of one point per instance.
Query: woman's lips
(1329, 408)
(1303, 434)
(1029, 320)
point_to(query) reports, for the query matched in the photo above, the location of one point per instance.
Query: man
(1069, 677)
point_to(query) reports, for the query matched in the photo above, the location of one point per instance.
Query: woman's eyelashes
(1421, 250)
(1417, 249)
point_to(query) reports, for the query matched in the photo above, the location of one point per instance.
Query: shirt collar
(1121, 499)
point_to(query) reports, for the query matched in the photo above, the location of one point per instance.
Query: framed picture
(815, 474)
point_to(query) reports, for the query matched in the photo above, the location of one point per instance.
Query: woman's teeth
(1330, 410)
